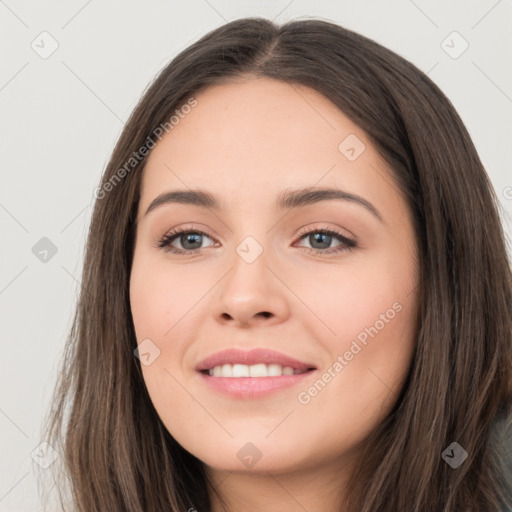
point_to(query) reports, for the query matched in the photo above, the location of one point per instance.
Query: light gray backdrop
(72, 72)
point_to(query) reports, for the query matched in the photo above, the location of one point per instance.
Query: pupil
(321, 236)
(190, 236)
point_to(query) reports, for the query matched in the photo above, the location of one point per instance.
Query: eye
(190, 239)
(321, 238)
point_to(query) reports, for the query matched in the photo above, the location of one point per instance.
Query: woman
(259, 369)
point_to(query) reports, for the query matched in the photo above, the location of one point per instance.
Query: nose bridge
(251, 232)
(254, 232)
(250, 289)
(249, 263)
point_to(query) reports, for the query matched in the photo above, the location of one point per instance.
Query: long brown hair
(115, 452)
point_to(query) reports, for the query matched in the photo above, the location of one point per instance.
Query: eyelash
(346, 245)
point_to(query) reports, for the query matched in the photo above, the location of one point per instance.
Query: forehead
(257, 137)
(254, 117)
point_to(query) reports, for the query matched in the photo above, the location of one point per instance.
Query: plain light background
(62, 113)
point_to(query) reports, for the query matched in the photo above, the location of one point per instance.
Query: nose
(251, 294)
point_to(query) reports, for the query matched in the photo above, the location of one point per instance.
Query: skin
(245, 143)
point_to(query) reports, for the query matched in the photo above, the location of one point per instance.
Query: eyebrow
(287, 200)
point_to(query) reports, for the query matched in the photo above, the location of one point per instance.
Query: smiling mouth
(256, 370)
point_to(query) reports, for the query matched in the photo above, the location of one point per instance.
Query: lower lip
(253, 387)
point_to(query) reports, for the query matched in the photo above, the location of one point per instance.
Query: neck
(319, 489)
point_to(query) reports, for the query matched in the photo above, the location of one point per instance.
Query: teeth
(239, 370)
(255, 370)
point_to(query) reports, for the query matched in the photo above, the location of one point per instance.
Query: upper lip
(251, 357)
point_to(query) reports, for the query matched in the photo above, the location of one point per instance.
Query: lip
(255, 356)
(252, 387)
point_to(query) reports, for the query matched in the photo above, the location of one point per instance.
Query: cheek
(159, 302)
(369, 362)
(160, 297)
(344, 302)
(366, 319)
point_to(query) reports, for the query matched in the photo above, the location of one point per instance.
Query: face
(328, 281)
